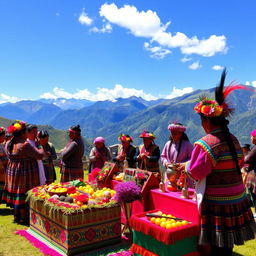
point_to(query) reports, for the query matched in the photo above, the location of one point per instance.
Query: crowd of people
(26, 161)
(217, 165)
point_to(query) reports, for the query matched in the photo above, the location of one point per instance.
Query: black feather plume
(219, 96)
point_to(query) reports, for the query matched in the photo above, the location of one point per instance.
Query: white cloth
(42, 178)
(200, 190)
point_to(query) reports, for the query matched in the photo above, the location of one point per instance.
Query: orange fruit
(163, 219)
(168, 226)
(153, 219)
(163, 224)
(174, 225)
(157, 221)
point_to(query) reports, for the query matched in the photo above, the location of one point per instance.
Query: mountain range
(133, 115)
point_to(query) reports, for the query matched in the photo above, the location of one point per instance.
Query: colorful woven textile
(22, 174)
(68, 174)
(47, 248)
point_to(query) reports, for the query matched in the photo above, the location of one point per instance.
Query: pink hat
(99, 139)
(253, 133)
(177, 127)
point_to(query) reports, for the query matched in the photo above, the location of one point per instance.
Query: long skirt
(68, 174)
(22, 175)
(50, 173)
(226, 225)
(3, 164)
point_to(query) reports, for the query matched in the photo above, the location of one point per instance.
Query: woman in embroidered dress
(22, 171)
(250, 159)
(72, 156)
(177, 150)
(226, 216)
(32, 131)
(126, 155)
(99, 153)
(43, 140)
(3, 161)
(149, 153)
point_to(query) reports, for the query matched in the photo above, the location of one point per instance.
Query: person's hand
(120, 157)
(180, 167)
(144, 156)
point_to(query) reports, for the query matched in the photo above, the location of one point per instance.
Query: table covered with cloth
(150, 239)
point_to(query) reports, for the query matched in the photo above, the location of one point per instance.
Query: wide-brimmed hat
(99, 140)
(125, 137)
(177, 127)
(218, 107)
(148, 135)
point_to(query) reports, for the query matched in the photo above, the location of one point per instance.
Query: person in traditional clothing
(3, 161)
(250, 159)
(149, 153)
(32, 131)
(244, 168)
(126, 154)
(225, 210)
(22, 171)
(99, 154)
(72, 156)
(177, 150)
(43, 140)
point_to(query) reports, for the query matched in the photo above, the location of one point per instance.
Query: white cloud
(206, 47)
(195, 65)
(185, 59)
(84, 19)
(179, 92)
(147, 24)
(5, 98)
(217, 67)
(102, 94)
(106, 28)
(157, 52)
(253, 83)
(142, 24)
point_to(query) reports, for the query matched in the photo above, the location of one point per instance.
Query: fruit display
(119, 177)
(167, 221)
(66, 195)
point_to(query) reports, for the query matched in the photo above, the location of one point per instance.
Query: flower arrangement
(103, 173)
(140, 178)
(127, 192)
(16, 126)
(147, 134)
(95, 172)
(211, 108)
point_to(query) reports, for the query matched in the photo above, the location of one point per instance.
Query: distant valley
(131, 115)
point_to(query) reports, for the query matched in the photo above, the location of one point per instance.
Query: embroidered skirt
(68, 174)
(22, 175)
(226, 225)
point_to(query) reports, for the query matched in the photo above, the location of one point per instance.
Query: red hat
(125, 137)
(147, 134)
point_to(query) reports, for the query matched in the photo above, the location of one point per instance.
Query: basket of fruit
(60, 191)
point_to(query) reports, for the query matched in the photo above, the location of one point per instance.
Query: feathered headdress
(218, 107)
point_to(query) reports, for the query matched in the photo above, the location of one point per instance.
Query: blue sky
(100, 50)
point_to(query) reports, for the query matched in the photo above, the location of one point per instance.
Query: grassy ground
(12, 245)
